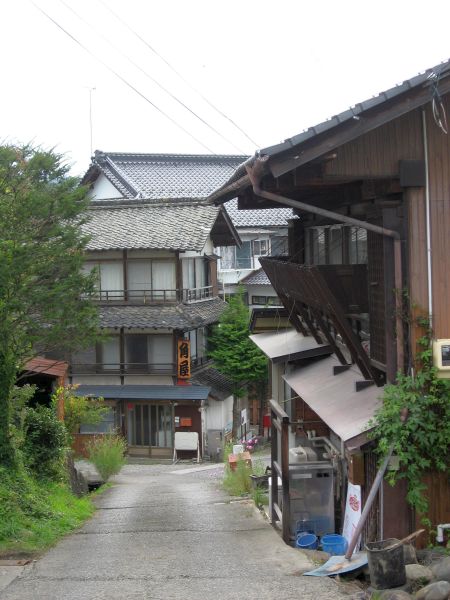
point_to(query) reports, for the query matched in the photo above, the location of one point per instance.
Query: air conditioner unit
(441, 358)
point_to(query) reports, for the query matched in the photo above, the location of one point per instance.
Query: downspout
(255, 174)
(428, 219)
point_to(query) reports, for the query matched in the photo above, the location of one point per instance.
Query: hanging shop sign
(184, 359)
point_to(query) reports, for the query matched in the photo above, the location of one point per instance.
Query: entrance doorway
(150, 425)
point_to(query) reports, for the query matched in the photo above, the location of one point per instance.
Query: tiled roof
(291, 148)
(220, 385)
(258, 277)
(265, 217)
(171, 226)
(179, 316)
(144, 392)
(166, 175)
(433, 74)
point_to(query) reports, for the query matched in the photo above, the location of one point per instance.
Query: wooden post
(285, 479)
(60, 403)
(273, 453)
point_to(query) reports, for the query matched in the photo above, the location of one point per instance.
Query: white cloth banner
(352, 513)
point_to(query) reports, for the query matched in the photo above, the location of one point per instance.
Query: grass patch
(239, 483)
(35, 514)
(107, 453)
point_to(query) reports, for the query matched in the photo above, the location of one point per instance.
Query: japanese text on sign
(184, 359)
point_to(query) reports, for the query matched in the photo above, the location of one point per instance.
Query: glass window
(259, 300)
(139, 277)
(260, 247)
(163, 277)
(107, 425)
(111, 280)
(358, 246)
(227, 257)
(136, 351)
(111, 354)
(160, 351)
(335, 245)
(200, 273)
(318, 245)
(279, 245)
(243, 256)
(188, 273)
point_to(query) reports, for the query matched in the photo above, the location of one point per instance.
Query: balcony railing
(155, 296)
(133, 368)
(123, 368)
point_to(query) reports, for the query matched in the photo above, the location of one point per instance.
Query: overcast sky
(273, 67)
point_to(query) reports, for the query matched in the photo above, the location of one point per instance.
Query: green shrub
(107, 453)
(79, 410)
(45, 442)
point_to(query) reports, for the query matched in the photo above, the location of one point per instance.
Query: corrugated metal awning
(144, 392)
(334, 398)
(280, 346)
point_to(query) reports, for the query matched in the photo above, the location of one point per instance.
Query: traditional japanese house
(372, 189)
(157, 297)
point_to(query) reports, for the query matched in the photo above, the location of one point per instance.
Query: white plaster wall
(96, 379)
(103, 189)
(219, 413)
(148, 380)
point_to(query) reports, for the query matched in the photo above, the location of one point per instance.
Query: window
(279, 246)
(154, 279)
(266, 300)
(358, 246)
(335, 245)
(198, 339)
(110, 282)
(107, 425)
(260, 247)
(110, 354)
(243, 256)
(151, 353)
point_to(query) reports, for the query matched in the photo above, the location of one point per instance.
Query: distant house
(263, 233)
(372, 189)
(152, 242)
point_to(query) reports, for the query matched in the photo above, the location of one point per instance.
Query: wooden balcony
(140, 297)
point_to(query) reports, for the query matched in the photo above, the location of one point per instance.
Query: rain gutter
(255, 173)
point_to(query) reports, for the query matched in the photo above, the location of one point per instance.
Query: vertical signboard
(184, 359)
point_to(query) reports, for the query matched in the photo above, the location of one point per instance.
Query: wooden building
(151, 243)
(372, 189)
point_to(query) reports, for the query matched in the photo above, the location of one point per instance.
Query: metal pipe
(428, 218)
(254, 173)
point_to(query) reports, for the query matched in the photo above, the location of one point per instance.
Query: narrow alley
(170, 532)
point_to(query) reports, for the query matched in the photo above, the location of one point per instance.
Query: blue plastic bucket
(307, 541)
(333, 543)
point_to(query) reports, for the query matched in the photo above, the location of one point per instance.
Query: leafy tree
(234, 354)
(45, 298)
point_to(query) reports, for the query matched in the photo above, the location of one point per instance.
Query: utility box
(441, 358)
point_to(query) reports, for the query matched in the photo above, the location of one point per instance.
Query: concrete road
(164, 533)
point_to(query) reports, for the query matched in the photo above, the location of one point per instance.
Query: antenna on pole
(91, 89)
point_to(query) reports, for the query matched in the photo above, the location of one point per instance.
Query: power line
(127, 83)
(172, 68)
(155, 81)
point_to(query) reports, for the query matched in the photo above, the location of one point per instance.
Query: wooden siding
(438, 492)
(439, 174)
(376, 154)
